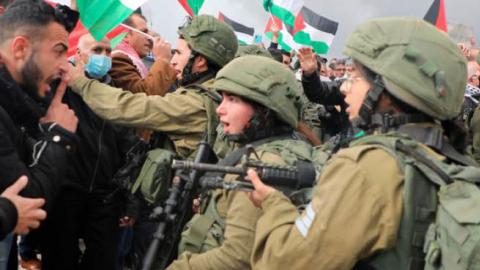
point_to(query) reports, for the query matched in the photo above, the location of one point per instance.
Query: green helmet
(264, 81)
(418, 64)
(252, 50)
(211, 38)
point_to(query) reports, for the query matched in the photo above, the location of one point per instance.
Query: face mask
(98, 65)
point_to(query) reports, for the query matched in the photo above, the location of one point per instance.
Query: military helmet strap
(363, 120)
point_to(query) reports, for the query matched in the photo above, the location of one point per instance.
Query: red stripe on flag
(221, 17)
(186, 6)
(441, 22)
(278, 23)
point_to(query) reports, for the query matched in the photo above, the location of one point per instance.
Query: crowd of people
(392, 133)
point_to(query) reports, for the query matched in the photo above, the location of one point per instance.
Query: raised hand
(308, 61)
(162, 49)
(29, 210)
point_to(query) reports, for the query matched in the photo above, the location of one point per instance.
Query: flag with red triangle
(285, 38)
(192, 7)
(436, 15)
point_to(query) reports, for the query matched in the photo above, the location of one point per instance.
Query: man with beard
(186, 116)
(33, 48)
(88, 205)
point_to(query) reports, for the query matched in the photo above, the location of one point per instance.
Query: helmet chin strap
(364, 119)
(187, 75)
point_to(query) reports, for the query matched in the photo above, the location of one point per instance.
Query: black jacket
(25, 149)
(102, 147)
(329, 95)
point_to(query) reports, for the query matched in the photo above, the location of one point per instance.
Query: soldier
(184, 117)
(370, 207)
(261, 106)
(187, 115)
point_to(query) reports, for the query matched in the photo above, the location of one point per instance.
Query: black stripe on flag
(432, 13)
(319, 22)
(237, 26)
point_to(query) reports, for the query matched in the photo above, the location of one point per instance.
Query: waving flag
(285, 39)
(101, 16)
(313, 30)
(191, 6)
(436, 15)
(285, 10)
(244, 33)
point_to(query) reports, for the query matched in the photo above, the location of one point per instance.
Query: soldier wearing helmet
(187, 115)
(261, 106)
(370, 207)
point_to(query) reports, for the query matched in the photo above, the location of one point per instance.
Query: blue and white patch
(304, 222)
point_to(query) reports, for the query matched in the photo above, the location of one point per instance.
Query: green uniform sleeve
(354, 213)
(171, 113)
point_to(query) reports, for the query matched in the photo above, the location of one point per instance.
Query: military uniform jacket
(240, 216)
(355, 212)
(182, 115)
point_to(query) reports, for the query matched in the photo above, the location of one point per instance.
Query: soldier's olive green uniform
(181, 114)
(259, 79)
(240, 217)
(474, 129)
(362, 213)
(187, 115)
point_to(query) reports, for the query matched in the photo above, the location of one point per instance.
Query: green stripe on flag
(286, 16)
(195, 5)
(101, 16)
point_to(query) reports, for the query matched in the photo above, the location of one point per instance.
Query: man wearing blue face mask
(87, 205)
(96, 57)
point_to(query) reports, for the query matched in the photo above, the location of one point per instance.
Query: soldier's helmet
(418, 64)
(211, 38)
(252, 50)
(265, 81)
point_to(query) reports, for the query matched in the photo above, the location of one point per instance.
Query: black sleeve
(325, 93)
(47, 168)
(8, 217)
(273, 46)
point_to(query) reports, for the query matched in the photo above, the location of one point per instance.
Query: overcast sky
(166, 15)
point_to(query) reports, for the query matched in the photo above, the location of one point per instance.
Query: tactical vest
(206, 230)
(155, 175)
(440, 225)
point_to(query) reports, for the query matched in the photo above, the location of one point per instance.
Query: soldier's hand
(308, 61)
(29, 210)
(261, 190)
(162, 49)
(59, 112)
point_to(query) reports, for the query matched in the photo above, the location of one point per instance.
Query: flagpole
(138, 31)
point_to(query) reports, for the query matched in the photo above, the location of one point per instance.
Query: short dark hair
(29, 16)
(128, 21)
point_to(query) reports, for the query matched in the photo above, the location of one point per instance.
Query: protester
(352, 186)
(130, 73)
(252, 112)
(33, 47)
(86, 206)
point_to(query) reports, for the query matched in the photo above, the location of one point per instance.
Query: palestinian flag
(436, 15)
(244, 34)
(285, 10)
(285, 39)
(101, 16)
(313, 30)
(192, 7)
(115, 36)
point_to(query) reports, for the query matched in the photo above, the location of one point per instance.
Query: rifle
(176, 212)
(283, 177)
